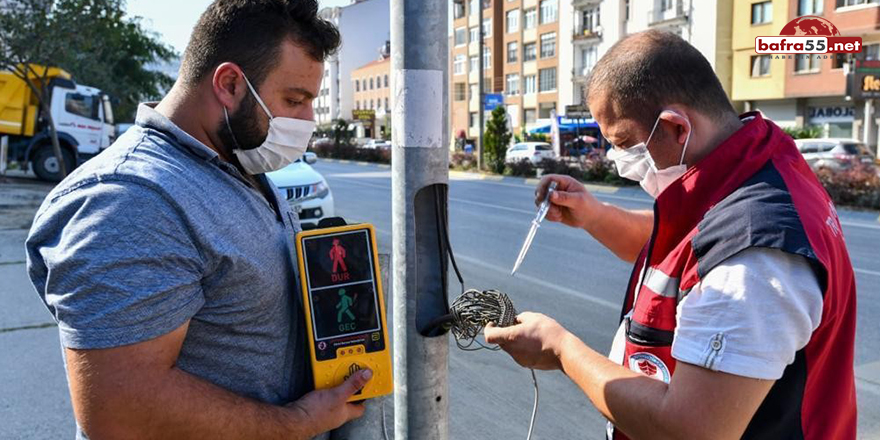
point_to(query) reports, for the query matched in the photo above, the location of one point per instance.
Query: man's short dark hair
(249, 33)
(647, 71)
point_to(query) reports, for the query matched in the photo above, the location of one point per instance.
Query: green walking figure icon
(344, 306)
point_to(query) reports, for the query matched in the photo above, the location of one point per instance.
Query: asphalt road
(566, 275)
(572, 278)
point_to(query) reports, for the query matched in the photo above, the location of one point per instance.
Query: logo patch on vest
(649, 365)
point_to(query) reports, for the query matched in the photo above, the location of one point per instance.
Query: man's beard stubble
(245, 132)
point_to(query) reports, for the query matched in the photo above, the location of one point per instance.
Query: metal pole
(866, 125)
(420, 174)
(482, 86)
(4, 151)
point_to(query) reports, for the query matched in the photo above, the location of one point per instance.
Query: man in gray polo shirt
(168, 261)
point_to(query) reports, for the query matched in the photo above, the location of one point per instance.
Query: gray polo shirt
(157, 231)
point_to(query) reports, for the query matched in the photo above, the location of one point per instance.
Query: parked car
(834, 153)
(534, 152)
(378, 144)
(306, 190)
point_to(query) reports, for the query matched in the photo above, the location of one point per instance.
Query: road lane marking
(539, 282)
(867, 272)
(536, 281)
(489, 205)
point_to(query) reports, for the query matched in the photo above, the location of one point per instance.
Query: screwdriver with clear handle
(536, 223)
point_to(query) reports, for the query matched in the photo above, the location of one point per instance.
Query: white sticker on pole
(420, 92)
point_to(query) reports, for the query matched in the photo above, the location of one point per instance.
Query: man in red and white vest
(739, 317)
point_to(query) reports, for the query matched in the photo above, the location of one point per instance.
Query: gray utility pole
(482, 86)
(420, 176)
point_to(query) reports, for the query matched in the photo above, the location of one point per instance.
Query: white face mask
(286, 141)
(635, 163)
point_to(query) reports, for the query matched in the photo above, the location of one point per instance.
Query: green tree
(342, 135)
(496, 139)
(119, 56)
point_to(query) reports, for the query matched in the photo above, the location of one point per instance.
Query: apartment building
(815, 86)
(365, 27)
(372, 97)
(523, 60)
(799, 90)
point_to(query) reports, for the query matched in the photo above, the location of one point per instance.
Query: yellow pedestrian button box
(345, 307)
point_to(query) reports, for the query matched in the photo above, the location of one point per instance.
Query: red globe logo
(810, 25)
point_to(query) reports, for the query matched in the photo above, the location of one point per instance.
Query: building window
(474, 92)
(459, 92)
(364, 84)
(513, 20)
(472, 7)
(626, 14)
(512, 84)
(810, 7)
(548, 45)
(530, 18)
(457, 10)
(530, 84)
(844, 3)
(387, 107)
(530, 115)
(487, 28)
(371, 83)
(512, 52)
(666, 5)
(487, 59)
(458, 65)
(460, 36)
(386, 80)
(548, 11)
(371, 105)
(545, 108)
(590, 20)
(761, 66)
(474, 60)
(529, 52)
(762, 12)
(806, 63)
(547, 79)
(589, 56)
(474, 34)
(357, 86)
(871, 51)
(357, 105)
(473, 119)
(839, 60)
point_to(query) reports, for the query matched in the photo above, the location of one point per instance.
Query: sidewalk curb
(528, 181)
(355, 162)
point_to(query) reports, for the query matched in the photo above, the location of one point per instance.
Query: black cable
(445, 228)
(473, 309)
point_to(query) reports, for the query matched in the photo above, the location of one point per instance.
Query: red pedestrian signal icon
(337, 255)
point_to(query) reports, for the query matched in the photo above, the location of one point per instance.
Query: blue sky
(174, 19)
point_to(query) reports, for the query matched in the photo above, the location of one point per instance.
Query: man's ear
(676, 117)
(228, 85)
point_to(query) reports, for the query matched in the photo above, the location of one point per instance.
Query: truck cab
(83, 119)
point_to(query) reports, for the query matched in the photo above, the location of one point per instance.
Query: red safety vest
(753, 190)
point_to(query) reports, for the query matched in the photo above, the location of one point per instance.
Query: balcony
(670, 15)
(586, 35)
(581, 74)
(578, 4)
